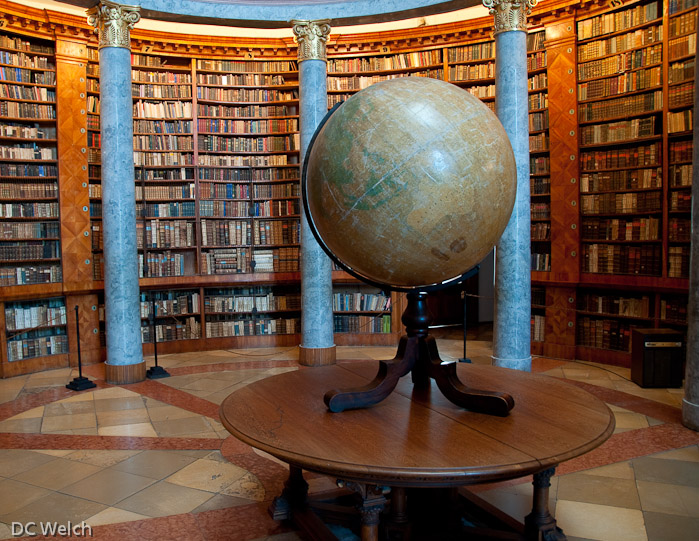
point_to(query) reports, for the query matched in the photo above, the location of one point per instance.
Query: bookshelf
(472, 67)
(30, 229)
(35, 328)
(170, 315)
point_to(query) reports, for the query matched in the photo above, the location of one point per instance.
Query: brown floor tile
(69, 422)
(163, 498)
(26, 426)
(221, 501)
(54, 507)
(181, 427)
(118, 404)
(599, 490)
(14, 495)
(122, 417)
(662, 527)
(669, 499)
(69, 408)
(15, 461)
(676, 472)
(57, 474)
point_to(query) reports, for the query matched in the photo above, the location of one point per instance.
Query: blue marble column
(690, 402)
(512, 321)
(125, 362)
(317, 345)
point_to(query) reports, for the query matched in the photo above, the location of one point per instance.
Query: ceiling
(278, 13)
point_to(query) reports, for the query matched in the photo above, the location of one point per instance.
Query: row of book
(31, 93)
(273, 125)
(681, 47)
(675, 6)
(539, 121)
(240, 79)
(540, 211)
(51, 312)
(624, 179)
(361, 302)
(475, 51)
(538, 81)
(163, 142)
(678, 261)
(674, 309)
(28, 191)
(21, 75)
(618, 21)
(536, 60)
(253, 327)
(272, 143)
(345, 323)
(242, 191)
(487, 91)
(684, 24)
(262, 173)
(27, 60)
(28, 152)
(680, 176)
(28, 210)
(241, 209)
(171, 173)
(238, 260)
(680, 201)
(623, 130)
(242, 161)
(176, 191)
(174, 209)
(681, 95)
(245, 111)
(541, 262)
(240, 303)
(30, 274)
(466, 72)
(186, 329)
(162, 126)
(613, 65)
(604, 333)
(539, 142)
(681, 121)
(538, 328)
(622, 259)
(162, 109)
(11, 42)
(245, 94)
(680, 151)
(40, 249)
(540, 185)
(27, 131)
(621, 107)
(622, 157)
(540, 100)
(29, 230)
(36, 347)
(624, 83)
(357, 82)
(169, 303)
(382, 63)
(539, 165)
(160, 159)
(615, 305)
(243, 66)
(162, 77)
(161, 264)
(541, 231)
(619, 44)
(639, 229)
(14, 109)
(170, 91)
(621, 203)
(157, 234)
(679, 230)
(680, 71)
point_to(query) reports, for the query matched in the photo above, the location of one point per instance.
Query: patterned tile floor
(152, 461)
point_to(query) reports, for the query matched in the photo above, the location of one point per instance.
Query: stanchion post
(155, 372)
(80, 383)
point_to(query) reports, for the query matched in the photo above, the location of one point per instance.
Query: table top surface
(417, 437)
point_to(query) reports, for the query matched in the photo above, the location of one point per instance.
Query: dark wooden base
(123, 374)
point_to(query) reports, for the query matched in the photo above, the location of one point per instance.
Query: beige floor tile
(180, 427)
(54, 507)
(620, 470)
(122, 417)
(113, 515)
(114, 392)
(600, 522)
(119, 403)
(9, 395)
(599, 490)
(163, 498)
(14, 495)
(14, 461)
(630, 420)
(688, 454)
(5, 531)
(108, 486)
(206, 384)
(25, 426)
(209, 475)
(69, 408)
(13, 384)
(30, 414)
(143, 430)
(57, 474)
(55, 452)
(80, 397)
(47, 380)
(219, 396)
(69, 422)
(669, 499)
(101, 457)
(156, 464)
(168, 413)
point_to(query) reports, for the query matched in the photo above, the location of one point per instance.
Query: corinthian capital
(113, 22)
(510, 14)
(311, 37)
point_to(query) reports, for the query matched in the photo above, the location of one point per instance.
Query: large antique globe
(410, 182)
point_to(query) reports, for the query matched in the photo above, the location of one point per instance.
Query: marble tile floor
(152, 461)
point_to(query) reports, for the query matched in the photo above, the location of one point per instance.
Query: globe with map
(410, 182)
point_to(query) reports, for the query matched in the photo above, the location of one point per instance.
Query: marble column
(317, 347)
(512, 319)
(690, 402)
(125, 362)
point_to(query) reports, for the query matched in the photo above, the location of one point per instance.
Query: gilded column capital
(311, 37)
(510, 14)
(113, 22)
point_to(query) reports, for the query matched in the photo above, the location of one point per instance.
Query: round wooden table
(417, 438)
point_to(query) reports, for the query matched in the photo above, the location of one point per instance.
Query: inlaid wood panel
(76, 246)
(560, 322)
(560, 47)
(88, 318)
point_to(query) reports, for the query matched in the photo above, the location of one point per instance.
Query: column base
(123, 374)
(317, 356)
(690, 415)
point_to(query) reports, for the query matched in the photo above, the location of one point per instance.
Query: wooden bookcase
(217, 174)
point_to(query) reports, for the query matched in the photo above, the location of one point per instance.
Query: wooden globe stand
(417, 353)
